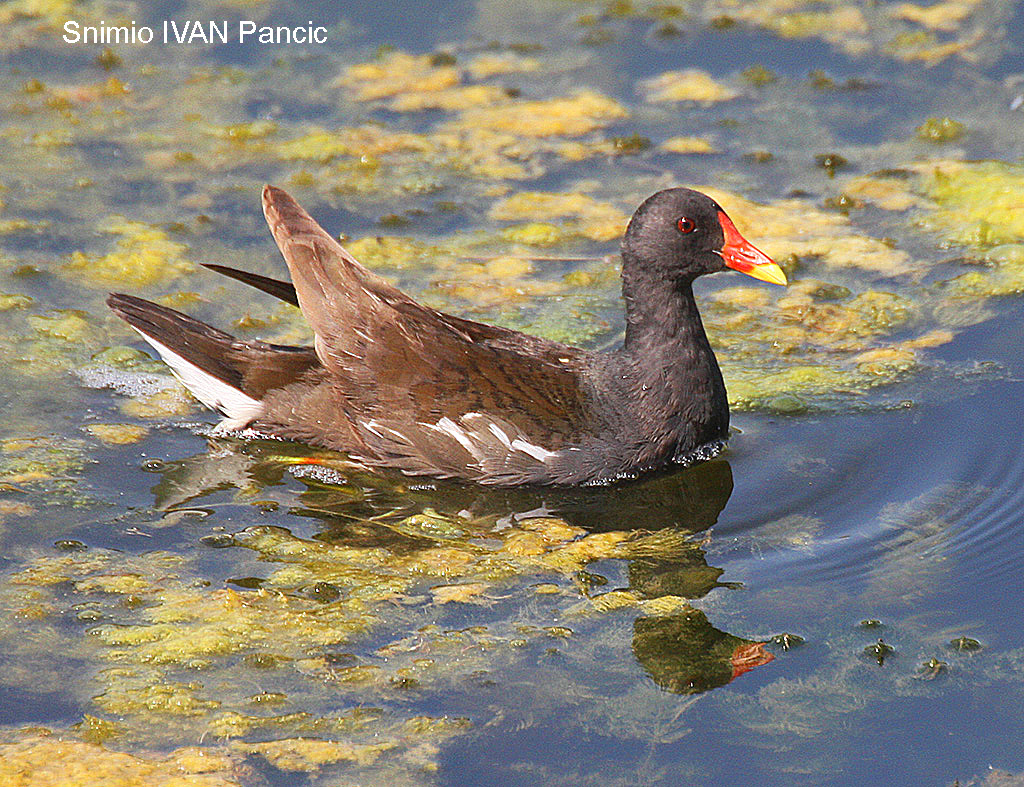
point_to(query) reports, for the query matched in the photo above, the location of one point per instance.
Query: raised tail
(222, 372)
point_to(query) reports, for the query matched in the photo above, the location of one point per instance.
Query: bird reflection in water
(680, 650)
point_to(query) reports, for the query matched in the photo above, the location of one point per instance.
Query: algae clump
(685, 145)
(977, 203)
(592, 219)
(39, 760)
(117, 434)
(587, 110)
(793, 227)
(9, 301)
(396, 74)
(312, 754)
(143, 255)
(940, 130)
(689, 85)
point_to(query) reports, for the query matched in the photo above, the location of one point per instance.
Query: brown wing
(424, 388)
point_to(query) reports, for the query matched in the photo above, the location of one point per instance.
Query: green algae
(47, 466)
(574, 321)
(40, 758)
(794, 227)
(121, 357)
(536, 233)
(574, 115)
(962, 204)
(168, 699)
(689, 85)
(587, 217)
(13, 301)
(685, 145)
(143, 255)
(70, 325)
(1000, 273)
(394, 252)
(312, 754)
(367, 143)
(52, 12)
(905, 31)
(977, 204)
(940, 130)
(814, 343)
(244, 132)
(494, 135)
(95, 730)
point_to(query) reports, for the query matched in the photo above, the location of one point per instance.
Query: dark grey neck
(658, 312)
(672, 372)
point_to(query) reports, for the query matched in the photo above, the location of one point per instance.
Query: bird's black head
(679, 234)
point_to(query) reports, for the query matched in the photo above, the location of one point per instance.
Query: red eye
(686, 225)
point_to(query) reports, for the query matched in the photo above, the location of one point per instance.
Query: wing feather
(407, 363)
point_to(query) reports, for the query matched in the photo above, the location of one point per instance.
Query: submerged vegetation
(264, 609)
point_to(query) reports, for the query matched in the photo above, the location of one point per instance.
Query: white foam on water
(137, 385)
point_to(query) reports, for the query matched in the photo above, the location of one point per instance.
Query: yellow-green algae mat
(165, 657)
(174, 659)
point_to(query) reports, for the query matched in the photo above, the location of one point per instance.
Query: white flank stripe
(374, 427)
(238, 408)
(512, 444)
(453, 430)
(498, 432)
(538, 453)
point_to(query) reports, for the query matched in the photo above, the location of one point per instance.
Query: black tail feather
(279, 289)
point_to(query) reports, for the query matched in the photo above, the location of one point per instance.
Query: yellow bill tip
(769, 272)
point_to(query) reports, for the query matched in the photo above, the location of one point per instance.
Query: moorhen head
(681, 234)
(395, 384)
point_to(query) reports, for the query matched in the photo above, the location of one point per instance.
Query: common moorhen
(395, 384)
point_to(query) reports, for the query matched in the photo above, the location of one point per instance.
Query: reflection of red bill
(748, 656)
(741, 255)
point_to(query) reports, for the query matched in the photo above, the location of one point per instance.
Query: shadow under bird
(395, 384)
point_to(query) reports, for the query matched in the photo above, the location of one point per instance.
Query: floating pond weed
(143, 255)
(691, 85)
(45, 759)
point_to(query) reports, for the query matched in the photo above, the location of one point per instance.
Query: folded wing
(423, 388)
